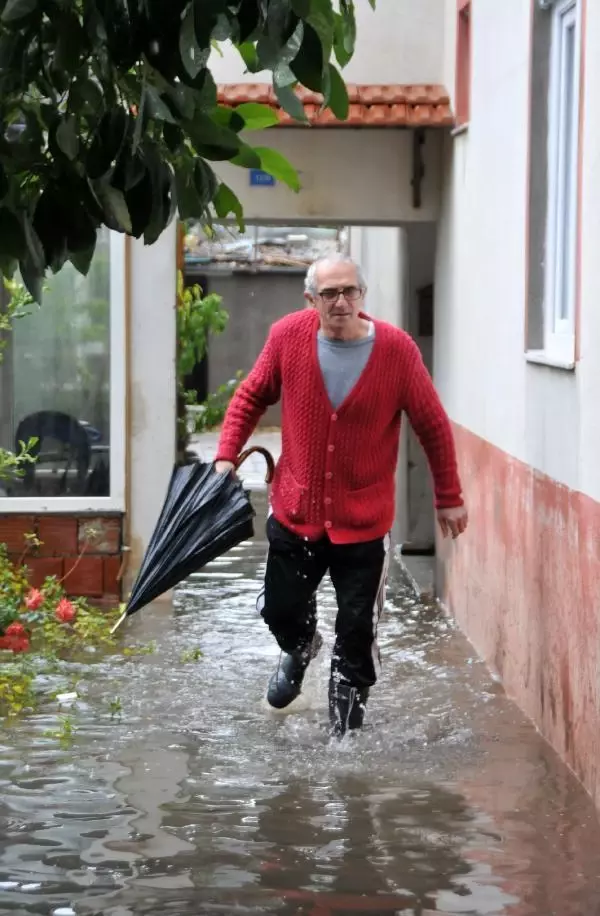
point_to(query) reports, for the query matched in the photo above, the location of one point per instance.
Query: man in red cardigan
(344, 380)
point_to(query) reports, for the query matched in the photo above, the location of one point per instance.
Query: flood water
(197, 799)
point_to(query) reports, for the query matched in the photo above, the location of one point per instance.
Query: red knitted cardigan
(336, 473)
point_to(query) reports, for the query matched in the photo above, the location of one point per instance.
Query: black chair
(60, 427)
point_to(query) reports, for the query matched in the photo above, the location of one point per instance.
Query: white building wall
(381, 253)
(401, 42)
(532, 412)
(152, 387)
(349, 175)
(589, 367)
(524, 581)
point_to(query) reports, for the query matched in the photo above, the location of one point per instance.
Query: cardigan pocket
(292, 496)
(368, 505)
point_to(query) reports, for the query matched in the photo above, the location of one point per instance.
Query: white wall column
(152, 385)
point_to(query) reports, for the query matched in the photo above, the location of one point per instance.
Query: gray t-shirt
(342, 362)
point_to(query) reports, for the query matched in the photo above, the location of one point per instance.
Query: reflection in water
(201, 800)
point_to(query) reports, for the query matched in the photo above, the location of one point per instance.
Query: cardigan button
(331, 448)
(328, 500)
(334, 417)
(328, 475)
(328, 525)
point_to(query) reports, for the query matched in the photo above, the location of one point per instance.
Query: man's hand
(224, 467)
(453, 521)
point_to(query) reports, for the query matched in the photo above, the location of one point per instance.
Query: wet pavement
(197, 799)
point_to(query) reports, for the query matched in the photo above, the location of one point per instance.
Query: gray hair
(337, 257)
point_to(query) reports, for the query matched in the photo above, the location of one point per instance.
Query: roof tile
(370, 105)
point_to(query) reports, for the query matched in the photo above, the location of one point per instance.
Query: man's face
(339, 297)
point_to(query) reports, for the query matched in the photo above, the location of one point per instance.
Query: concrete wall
(421, 241)
(525, 581)
(402, 42)
(254, 302)
(350, 175)
(397, 263)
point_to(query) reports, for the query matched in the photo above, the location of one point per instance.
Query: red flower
(15, 629)
(34, 599)
(65, 611)
(13, 641)
(20, 645)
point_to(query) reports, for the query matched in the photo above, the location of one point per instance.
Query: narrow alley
(198, 799)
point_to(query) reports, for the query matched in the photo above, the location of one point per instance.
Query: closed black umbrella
(204, 515)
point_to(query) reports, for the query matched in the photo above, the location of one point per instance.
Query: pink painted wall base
(524, 585)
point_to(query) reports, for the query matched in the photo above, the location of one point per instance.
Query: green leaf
(223, 28)
(156, 108)
(267, 50)
(12, 237)
(301, 8)
(275, 164)
(248, 54)
(86, 93)
(322, 20)
(247, 158)
(249, 19)
(4, 186)
(140, 202)
(210, 140)
(271, 53)
(108, 141)
(81, 260)
(345, 36)
(205, 182)
(115, 207)
(226, 202)
(283, 76)
(70, 44)
(181, 101)
(193, 56)
(227, 117)
(173, 137)
(206, 95)
(161, 177)
(338, 97)
(206, 14)
(67, 139)
(293, 45)
(309, 63)
(348, 23)
(35, 249)
(32, 279)
(189, 203)
(256, 116)
(290, 102)
(278, 18)
(18, 9)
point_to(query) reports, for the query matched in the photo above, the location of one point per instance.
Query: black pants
(295, 568)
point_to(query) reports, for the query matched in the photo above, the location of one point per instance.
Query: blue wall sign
(260, 179)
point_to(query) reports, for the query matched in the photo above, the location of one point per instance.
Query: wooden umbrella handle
(266, 455)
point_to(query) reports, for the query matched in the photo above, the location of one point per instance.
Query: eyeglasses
(350, 294)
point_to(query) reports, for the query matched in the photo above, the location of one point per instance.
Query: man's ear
(310, 302)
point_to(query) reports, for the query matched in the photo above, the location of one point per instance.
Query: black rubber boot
(346, 707)
(286, 682)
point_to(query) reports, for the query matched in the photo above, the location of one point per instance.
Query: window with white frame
(554, 181)
(62, 384)
(563, 136)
